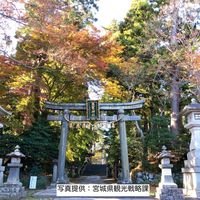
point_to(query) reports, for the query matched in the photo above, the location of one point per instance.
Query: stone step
(107, 198)
(97, 198)
(50, 194)
(94, 169)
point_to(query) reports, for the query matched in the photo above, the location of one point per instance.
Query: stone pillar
(13, 188)
(54, 174)
(191, 170)
(167, 189)
(124, 148)
(2, 169)
(62, 176)
(55, 171)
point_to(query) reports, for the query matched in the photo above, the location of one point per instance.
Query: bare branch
(12, 18)
(15, 61)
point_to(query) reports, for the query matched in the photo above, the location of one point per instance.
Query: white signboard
(102, 190)
(33, 182)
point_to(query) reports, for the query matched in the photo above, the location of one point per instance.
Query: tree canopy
(152, 54)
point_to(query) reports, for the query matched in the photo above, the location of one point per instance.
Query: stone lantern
(191, 170)
(14, 166)
(165, 166)
(13, 188)
(167, 189)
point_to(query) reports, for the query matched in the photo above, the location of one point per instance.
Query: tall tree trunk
(36, 93)
(175, 101)
(175, 86)
(36, 90)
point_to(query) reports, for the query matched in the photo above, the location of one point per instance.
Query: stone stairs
(94, 170)
(93, 174)
(50, 193)
(105, 198)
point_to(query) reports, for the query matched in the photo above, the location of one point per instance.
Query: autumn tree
(58, 48)
(157, 42)
(58, 51)
(156, 36)
(178, 33)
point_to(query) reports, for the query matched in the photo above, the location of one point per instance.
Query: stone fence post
(54, 174)
(2, 169)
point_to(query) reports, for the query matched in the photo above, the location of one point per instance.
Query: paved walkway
(103, 198)
(51, 193)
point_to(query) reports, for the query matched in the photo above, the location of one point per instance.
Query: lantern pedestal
(191, 170)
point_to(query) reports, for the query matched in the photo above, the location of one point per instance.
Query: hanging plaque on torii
(93, 110)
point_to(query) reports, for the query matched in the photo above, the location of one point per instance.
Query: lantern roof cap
(16, 153)
(194, 106)
(165, 153)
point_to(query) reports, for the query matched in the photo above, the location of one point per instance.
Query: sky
(111, 9)
(108, 11)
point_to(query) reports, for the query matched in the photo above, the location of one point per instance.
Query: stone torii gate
(94, 112)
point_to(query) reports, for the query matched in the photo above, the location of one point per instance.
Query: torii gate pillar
(62, 176)
(124, 148)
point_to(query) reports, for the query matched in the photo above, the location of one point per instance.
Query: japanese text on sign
(103, 190)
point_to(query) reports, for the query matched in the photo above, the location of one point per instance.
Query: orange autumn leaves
(81, 50)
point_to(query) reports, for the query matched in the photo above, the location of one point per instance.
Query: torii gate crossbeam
(121, 118)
